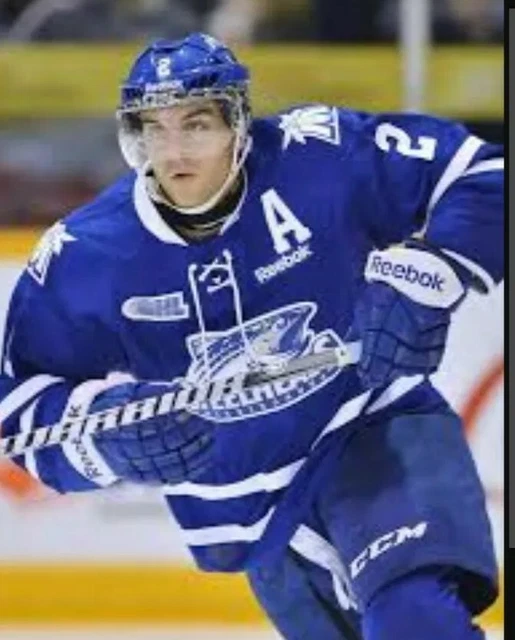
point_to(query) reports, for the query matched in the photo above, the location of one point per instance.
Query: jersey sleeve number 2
(388, 136)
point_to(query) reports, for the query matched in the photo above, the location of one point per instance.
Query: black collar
(202, 221)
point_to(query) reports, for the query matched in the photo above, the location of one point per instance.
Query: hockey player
(347, 494)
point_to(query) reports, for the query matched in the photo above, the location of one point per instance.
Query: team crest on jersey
(320, 122)
(51, 244)
(280, 335)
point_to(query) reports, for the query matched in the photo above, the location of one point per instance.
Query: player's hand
(403, 315)
(162, 450)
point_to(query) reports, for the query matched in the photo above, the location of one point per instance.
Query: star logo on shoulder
(51, 244)
(320, 122)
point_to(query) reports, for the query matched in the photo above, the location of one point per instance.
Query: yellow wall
(71, 80)
(98, 593)
(16, 244)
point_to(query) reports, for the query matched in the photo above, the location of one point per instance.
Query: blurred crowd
(242, 21)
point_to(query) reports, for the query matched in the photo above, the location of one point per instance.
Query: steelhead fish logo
(274, 337)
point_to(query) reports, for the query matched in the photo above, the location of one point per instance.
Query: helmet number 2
(164, 68)
(388, 135)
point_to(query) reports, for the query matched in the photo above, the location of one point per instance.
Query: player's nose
(175, 154)
(177, 163)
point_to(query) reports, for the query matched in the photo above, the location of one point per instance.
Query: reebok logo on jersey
(302, 253)
(421, 276)
(385, 543)
(410, 273)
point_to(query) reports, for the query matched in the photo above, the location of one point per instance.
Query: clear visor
(196, 126)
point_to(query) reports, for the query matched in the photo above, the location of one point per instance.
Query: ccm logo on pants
(384, 543)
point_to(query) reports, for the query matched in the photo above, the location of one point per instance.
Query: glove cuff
(418, 273)
(82, 453)
(469, 279)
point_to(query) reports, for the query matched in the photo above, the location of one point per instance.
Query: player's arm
(435, 213)
(37, 388)
(55, 368)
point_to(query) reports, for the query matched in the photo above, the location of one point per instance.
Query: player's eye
(196, 125)
(152, 126)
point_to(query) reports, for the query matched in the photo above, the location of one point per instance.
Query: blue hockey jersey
(112, 288)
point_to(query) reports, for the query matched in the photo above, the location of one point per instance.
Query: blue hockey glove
(403, 316)
(162, 450)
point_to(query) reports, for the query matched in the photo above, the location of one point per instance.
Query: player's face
(190, 148)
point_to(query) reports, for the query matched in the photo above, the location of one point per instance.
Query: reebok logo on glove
(420, 275)
(411, 274)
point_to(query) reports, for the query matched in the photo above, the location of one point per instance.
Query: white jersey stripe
(26, 425)
(27, 417)
(24, 392)
(347, 412)
(455, 169)
(268, 482)
(31, 465)
(312, 546)
(474, 268)
(226, 533)
(394, 391)
(494, 164)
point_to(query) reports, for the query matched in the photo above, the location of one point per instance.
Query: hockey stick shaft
(181, 398)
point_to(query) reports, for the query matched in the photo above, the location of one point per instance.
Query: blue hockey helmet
(168, 72)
